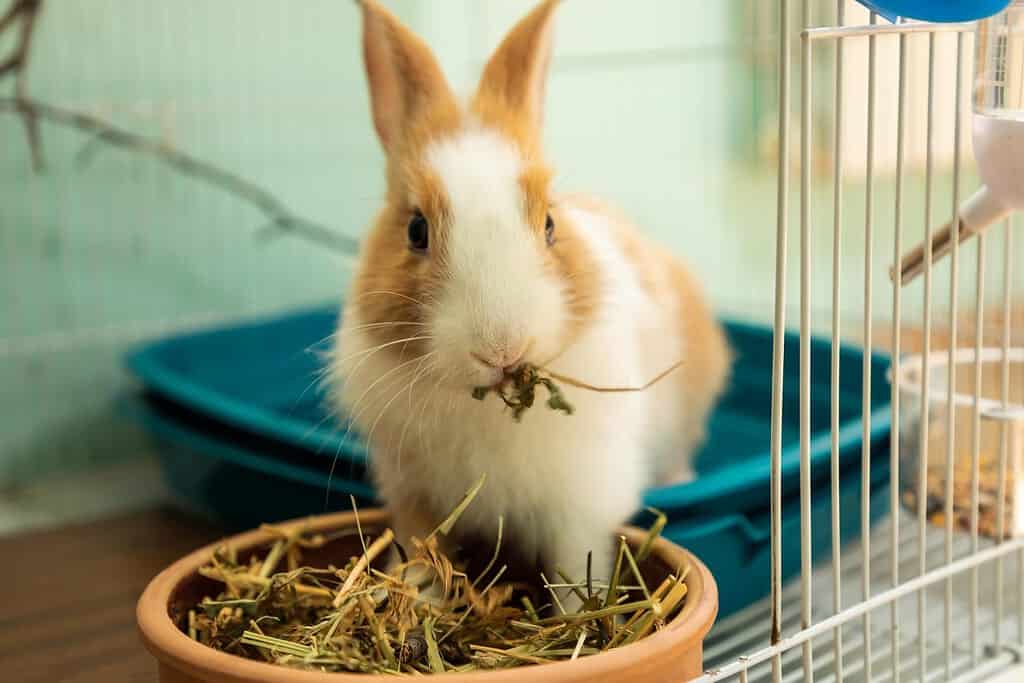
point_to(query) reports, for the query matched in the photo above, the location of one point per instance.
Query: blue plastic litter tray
(243, 481)
(259, 378)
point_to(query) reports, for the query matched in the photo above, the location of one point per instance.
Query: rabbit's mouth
(493, 377)
(494, 369)
(507, 378)
(497, 380)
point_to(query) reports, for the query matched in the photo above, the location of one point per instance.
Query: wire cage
(936, 591)
(864, 151)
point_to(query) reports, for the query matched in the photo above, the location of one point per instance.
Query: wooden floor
(67, 596)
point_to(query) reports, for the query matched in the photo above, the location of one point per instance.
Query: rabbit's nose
(506, 359)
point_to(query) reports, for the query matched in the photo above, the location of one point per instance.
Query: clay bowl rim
(176, 650)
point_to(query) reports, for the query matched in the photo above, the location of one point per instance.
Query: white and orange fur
(600, 304)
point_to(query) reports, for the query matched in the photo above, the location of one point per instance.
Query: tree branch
(279, 217)
(276, 212)
(25, 11)
(13, 12)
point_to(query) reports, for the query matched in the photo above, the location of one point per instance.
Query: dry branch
(23, 15)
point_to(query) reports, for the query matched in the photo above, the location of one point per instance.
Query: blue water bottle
(945, 11)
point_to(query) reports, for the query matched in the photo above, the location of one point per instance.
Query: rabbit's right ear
(405, 79)
(515, 77)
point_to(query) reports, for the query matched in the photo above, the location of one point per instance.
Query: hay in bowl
(312, 600)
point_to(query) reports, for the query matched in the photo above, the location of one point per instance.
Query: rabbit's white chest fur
(561, 482)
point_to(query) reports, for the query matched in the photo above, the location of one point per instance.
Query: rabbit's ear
(404, 77)
(516, 75)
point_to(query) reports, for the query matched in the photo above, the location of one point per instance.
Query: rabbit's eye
(549, 230)
(419, 232)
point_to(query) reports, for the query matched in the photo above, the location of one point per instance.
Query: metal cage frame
(915, 559)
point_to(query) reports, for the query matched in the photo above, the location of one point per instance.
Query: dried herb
(360, 619)
(519, 391)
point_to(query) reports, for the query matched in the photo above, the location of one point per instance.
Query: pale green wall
(259, 87)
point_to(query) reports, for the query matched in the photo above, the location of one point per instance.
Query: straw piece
(445, 527)
(617, 390)
(554, 594)
(272, 559)
(511, 654)
(276, 644)
(375, 549)
(497, 551)
(530, 609)
(579, 645)
(636, 571)
(572, 585)
(613, 585)
(433, 653)
(580, 617)
(659, 525)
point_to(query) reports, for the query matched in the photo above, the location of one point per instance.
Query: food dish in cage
(962, 421)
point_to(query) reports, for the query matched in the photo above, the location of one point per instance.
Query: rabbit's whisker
(354, 414)
(380, 414)
(382, 292)
(420, 374)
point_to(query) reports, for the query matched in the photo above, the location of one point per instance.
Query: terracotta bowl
(672, 654)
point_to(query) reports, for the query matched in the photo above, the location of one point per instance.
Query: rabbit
(474, 266)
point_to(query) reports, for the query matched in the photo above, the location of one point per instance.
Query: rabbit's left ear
(516, 75)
